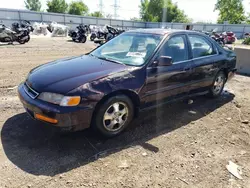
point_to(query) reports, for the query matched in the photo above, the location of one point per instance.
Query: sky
(198, 10)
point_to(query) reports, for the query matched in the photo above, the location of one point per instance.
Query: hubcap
(115, 116)
(218, 84)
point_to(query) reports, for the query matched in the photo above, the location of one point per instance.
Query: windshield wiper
(111, 60)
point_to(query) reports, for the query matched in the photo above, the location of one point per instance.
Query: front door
(169, 81)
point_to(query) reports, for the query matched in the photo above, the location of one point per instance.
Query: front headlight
(59, 99)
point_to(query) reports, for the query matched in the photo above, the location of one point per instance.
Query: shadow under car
(40, 150)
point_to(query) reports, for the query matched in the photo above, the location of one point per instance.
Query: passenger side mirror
(164, 61)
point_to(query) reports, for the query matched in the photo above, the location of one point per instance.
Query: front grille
(31, 92)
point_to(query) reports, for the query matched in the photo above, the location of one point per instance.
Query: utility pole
(116, 7)
(101, 6)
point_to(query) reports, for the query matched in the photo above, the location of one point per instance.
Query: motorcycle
(218, 38)
(113, 32)
(99, 34)
(27, 24)
(10, 36)
(229, 37)
(24, 27)
(215, 36)
(79, 35)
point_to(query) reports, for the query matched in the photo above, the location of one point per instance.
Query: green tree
(248, 18)
(162, 11)
(145, 13)
(57, 6)
(34, 5)
(78, 8)
(231, 11)
(97, 14)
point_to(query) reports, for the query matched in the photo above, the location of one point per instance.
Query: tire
(83, 40)
(121, 115)
(28, 39)
(21, 41)
(109, 37)
(92, 37)
(218, 85)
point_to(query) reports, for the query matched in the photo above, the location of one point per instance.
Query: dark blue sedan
(136, 70)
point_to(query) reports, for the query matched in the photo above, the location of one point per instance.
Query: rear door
(204, 55)
(170, 81)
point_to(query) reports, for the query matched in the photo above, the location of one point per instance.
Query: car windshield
(129, 48)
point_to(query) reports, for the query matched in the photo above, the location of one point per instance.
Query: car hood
(64, 75)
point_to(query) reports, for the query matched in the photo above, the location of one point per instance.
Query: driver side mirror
(164, 61)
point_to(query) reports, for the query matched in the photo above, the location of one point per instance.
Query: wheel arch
(225, 71)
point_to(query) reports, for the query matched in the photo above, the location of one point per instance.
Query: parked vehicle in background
(73, 32)
(136, 70)
(113, 32)
(57, 29)
(40, 28)
(7, 35)
(27, 24)
(100, 33)
(23, 26)
(229, 37)
(215, 36)
(80, 34)
(218, 38)
(106, 33)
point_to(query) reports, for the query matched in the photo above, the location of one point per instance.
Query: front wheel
(113, 116)
(218, 85)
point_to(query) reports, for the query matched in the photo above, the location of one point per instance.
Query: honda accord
(105, 88)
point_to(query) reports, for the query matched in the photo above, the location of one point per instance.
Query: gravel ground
(178, 145)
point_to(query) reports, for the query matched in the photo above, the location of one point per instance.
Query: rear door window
(201, 47)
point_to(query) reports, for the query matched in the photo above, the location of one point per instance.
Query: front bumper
(69, 118)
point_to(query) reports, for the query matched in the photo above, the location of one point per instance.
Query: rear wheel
(218, 85)
(21, 41)
(113, 116)
(84, 38)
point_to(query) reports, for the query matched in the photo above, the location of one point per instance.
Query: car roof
(161, 31)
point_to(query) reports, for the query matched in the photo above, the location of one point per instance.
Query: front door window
(175, 48)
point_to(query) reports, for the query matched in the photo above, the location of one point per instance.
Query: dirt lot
(175, 146)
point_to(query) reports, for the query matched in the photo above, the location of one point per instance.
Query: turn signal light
(70, 101)
(47, 119)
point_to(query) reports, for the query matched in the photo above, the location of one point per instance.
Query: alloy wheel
(218, 84)
(115, 116)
